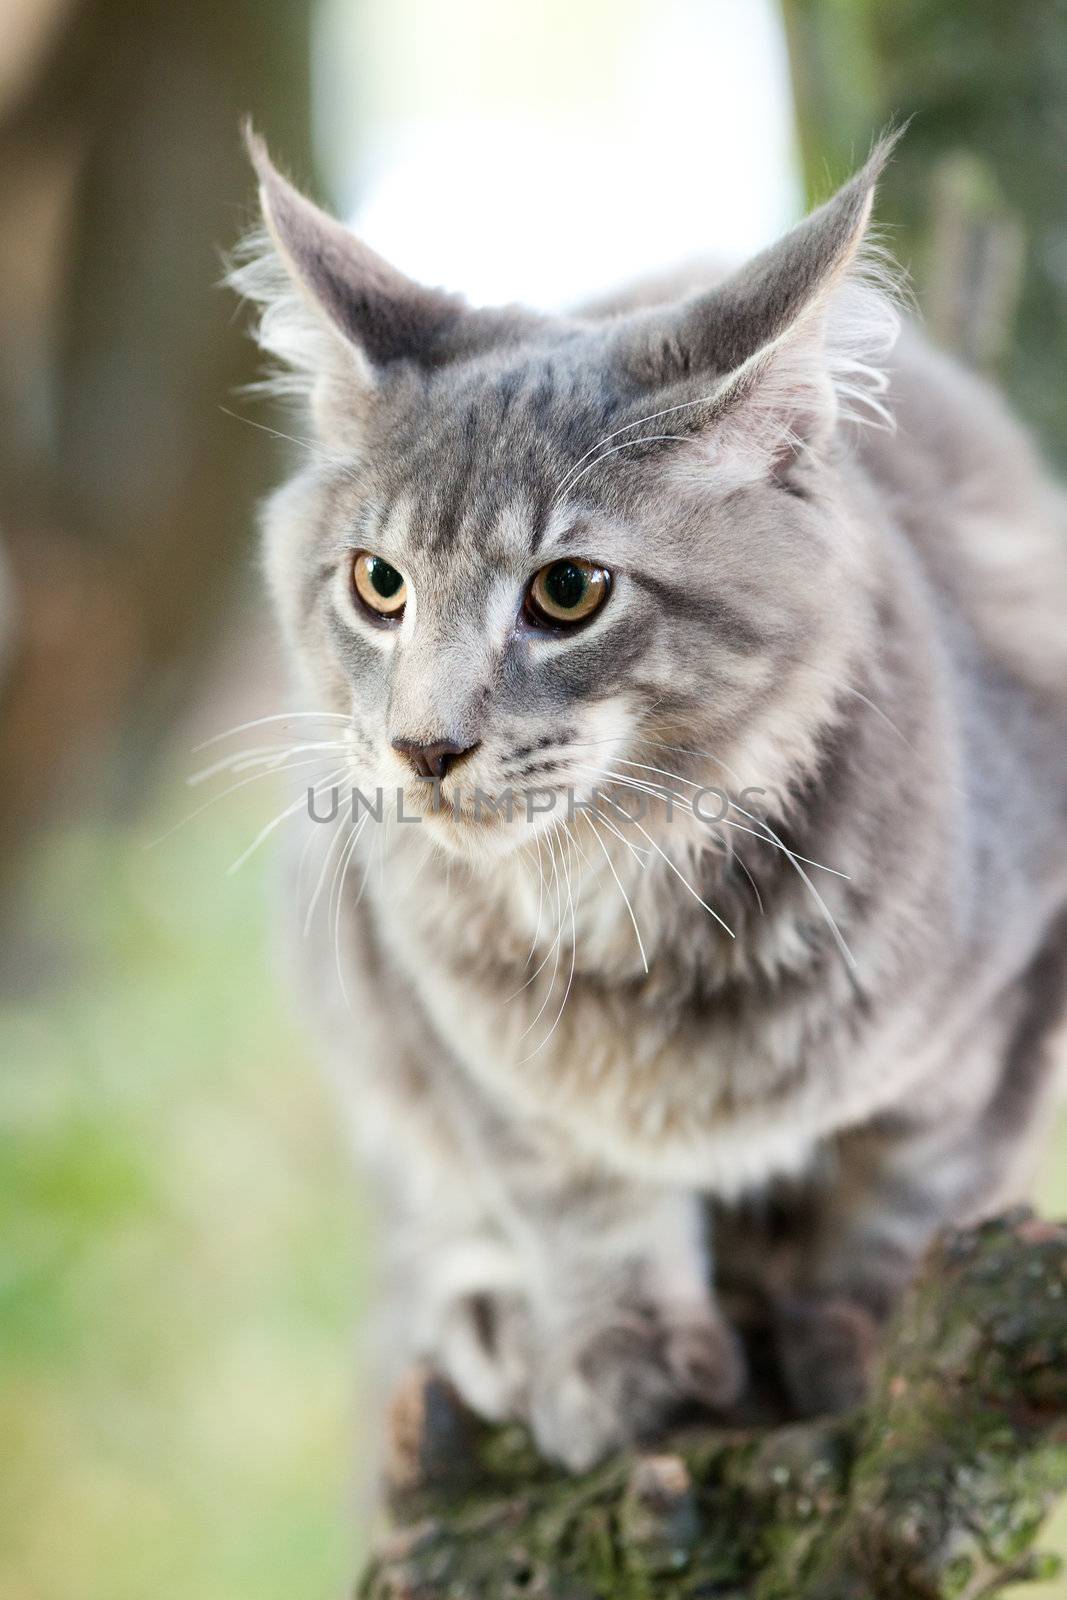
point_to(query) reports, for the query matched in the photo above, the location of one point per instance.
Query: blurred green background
(182, 1261)
(184, 1251)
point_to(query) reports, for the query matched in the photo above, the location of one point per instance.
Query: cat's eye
(567, 592)
(379, 586)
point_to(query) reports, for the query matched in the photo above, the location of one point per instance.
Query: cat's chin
(475, 837)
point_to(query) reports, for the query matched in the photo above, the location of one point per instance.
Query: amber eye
(567, 592)
(380, 587)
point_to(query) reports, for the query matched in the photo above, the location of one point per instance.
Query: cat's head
(529, 552)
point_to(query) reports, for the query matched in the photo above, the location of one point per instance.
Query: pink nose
(432, 760)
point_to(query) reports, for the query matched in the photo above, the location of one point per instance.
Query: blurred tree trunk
(125, 492)
(976, 195)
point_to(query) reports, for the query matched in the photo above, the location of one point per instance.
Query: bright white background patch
(542, 151)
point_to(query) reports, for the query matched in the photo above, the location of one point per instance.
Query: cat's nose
(433, 760)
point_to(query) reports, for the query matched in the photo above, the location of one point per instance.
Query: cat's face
(531, 558)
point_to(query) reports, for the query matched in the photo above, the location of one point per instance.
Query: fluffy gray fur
(865, 624)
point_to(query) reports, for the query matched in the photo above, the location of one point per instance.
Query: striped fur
(861, 629)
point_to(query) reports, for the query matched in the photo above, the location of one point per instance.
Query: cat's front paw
(625, 1382)
(484, 1347)
(827, 1349)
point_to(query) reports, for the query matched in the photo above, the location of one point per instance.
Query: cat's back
(962, 478)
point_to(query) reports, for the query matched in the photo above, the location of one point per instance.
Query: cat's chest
(551, 1009)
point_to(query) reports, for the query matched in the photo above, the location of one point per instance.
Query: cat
(608, 1050)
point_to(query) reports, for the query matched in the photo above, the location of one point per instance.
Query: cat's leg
(452, 1290)
(891, 1188)
(449, 1285)
(627, 1332)
(572, 1300)
(963, 1147)
(542, 1286)
(622, 1328)
(454, 1298)
(847, 1253)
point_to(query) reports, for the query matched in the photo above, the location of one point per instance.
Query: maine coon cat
(604, 1050)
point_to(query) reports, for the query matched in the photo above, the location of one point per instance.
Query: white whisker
(574, 956)
(344, 863)
(264, 833)
(816, 896)
(268, 756)
(336, 834)
(310, 445)
(626, 898)
(259, 722)
(740, 862)
(627, 444)
(840, 683)
(724, 821)
(640, 853)
(375, 849)
(666, 858)
(540, 902)
(553, 949)
(653, 416)
(256, 777)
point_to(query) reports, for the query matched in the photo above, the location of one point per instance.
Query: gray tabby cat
(644, 550)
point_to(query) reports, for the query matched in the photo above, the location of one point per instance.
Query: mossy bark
(936, 1490)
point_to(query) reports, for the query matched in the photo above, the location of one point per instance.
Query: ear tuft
(300, 345)
(790, 280)
(862, 324)
(294, 329)
(331, 306)
(786, 347)
(368, 300)
(256, 147)
(863, 312)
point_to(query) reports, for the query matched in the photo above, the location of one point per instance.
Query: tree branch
(936, 1490)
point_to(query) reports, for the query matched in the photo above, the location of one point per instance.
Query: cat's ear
(781, 345)
(382, 314)
(335, 314)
